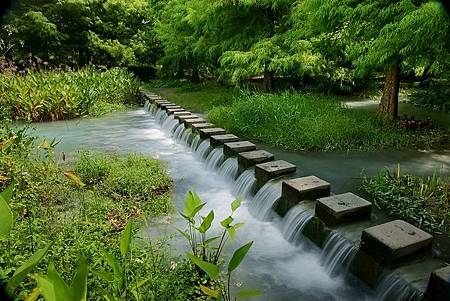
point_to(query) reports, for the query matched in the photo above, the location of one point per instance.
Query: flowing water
(280, 262)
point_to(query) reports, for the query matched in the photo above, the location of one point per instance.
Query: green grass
(49, 206)
(199, 97)
(54, 95)
(314, 122)
(423, 201)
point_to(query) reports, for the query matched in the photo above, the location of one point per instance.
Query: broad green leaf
(125, 239)
(210, 240)
(206, 222)
(238, 256)
(191, 202)
(25, 268)
(211, 269)
(209, 292)
(58, 286)
(79, 281)
(231, 232)
(6, 218)
(248, 293)
(7, 193)
(46, 288)
(226, 222)
(74, 178)
(33, 295)
(117, 269)
(238, 225)
(236, 204)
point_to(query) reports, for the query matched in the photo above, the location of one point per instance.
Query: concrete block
(269, 170)
(181, 119)
(181, 113)
(208, 132)
(165, 105)
(249, 159)
(171, 111)
(233, 148)
(439, 285)
(188, 122)
(217, 140)
(316, 231)
(342, 208)
(392, 242)
(366, 268)
(197, 126)
(305, 188)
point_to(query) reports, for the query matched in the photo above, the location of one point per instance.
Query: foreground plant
(206, 252)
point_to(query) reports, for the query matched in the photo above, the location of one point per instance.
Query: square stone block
(181, 113)
(171, 111)
(232, 148)
(342, 208)
(269, 170)
(208, 132)
(162, 101)
(217, 140)
(393, 241)
(249, 159)
(181, 119)
(439, 285)
(305, 188)
(198, 126)
(188, 122)
(165, 105)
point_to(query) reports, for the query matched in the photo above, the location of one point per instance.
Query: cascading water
(393, 287)
(245, 184)
(147, 105)
(229, 168)
(195, 143)
(160, 116)
(337, 253)
(263, 201)
(186, 137)
(293, 223)
(215, 158)
(169, 123)
(204, 149)
(178, 132)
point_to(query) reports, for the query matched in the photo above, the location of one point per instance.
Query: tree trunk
(268, 80)
(389, 100)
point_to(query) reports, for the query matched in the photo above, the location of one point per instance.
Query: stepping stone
(181, 113)
(249, 159)
(188, 122)
(269, 170)
(198, 126)
(171, 111)
(172, 107)
(305, 188)
(232, 148)
(439, 285)
(342, 208)
(161, 101)
(206, 133)
(165, 105)
(390, 242)
(217, 140)
(182, 118)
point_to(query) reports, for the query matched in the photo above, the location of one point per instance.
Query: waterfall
(393, 287)
(293, 223)
(203, 149)
(153, 108)
(195, 142)
(337, 253)
(215, 158)
(264, 199)
(229, 168)
(178, 132)
(147, 105)
(245, 184)
(160, 116)
(169, 123)
(186, 137)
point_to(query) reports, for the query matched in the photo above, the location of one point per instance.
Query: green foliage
(423, 201)
(6, 215)
(54, 95)
(310, 122)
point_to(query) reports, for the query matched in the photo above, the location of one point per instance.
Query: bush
(53, 95)
(311, 122)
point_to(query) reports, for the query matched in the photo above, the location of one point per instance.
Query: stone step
(161, 101)
(392, 242)
(305, 188)
(233, 148)
(270, 170)
(172, 107)
(218, 140)
(181, 113)
(181, 119)
(198, 126)
(249, 159)
(171, 111)
(188, 122)
(439, 285)
(208, 132)
(342, 208)
(165, 105)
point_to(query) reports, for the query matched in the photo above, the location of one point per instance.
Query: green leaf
(226, 222)
(210, 240)
(117, 269)
(206, 222)
(236, 204)
(79, 281)
(248, 293)
(46, 288)
(125, 240)
(6, 218)
(191, 203)
(33, 295)
(231, 232)
(209, 292)
(74, 178)
(25, 268)
(211, 269)
(7, 193)
(58, 288)
(238, 256)
(185, 235)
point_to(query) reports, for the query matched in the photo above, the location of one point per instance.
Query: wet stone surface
(186, 117)
(164, 105)
(171, 111)
(439, 285)
(233, 148)
(305, 188)
(198, 126)
(269, 170)
(249, 159)
(218, 140)
(206, 133)
(188, 122)
(342, 208)
(392, 242)
(181, 113)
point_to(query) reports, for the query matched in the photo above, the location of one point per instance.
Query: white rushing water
(283, 270)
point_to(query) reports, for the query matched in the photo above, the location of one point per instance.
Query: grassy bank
(423, 201)
(81, 207)
(314, 122)
(53, 95)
